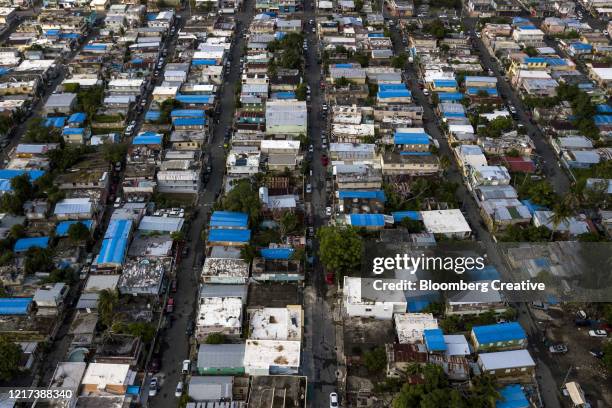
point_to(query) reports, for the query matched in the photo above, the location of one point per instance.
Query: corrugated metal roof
(211, 356)
(189, 122)
(499, 332)
(165, 224)
(187, 113)
(229, 219)
(14, 306)
(229, 235)
(434, 339)
(73, 206)
(403, 138)
(23, 244)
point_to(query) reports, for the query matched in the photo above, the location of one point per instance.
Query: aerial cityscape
(306, 203)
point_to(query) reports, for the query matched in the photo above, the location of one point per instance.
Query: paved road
(554, 174)
(319, 352)
(176, 344)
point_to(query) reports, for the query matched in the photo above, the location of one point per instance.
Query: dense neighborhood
(191, 193)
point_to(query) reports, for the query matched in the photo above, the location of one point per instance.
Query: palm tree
(106, 305)
(561, 213)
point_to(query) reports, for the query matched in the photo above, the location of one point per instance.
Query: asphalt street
(175, 343)
(319, 360)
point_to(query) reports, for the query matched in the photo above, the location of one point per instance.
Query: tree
(177, 235)
(6, 258)
(399, 61)
(10, 356)
(89, 100)
(106, 305)
(301, 92)
(248, 253)
(413, 226)
(342, 82)
(78, 232)
(243, 198)
(436, 28)
(340, 249)
(114, 152)
(561, 213)
(215, 338)
(22, 187)
(607, 358)
(375, 360)
(6, 124)
(38, 260)
(38, 133)
(65, 275)
(288, 223)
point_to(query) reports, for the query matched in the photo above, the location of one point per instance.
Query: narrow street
(174, 341)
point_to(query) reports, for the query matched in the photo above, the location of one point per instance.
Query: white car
(605, 32)
(308, 189)
(598, 333)
(179, 390)
(186, 366)
(333, 400)
(153, 387)
(328, 211)
(311, 148)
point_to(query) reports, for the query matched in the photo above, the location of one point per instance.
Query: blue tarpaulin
(115, 242)
(604, 109)
(57, 122)
(512, 396)
(409, 138)
(229, 219)
(229, 235)
(78, 117)
(147, 138)
(362, 194)
(133, 390)
(23, 244)
(152, 115)
(475, 91)
(434, 339)
(276, 253)
(367, 220)
(73, 131)
(62, 228)
(532, 207)
(398, 216)
(450, 96)
(207, 61)
(494, 333)
(189, 122)
(445, 83)
(6, 175)
(187, 113)
(14, 306)
(195, 99)
(284, 95)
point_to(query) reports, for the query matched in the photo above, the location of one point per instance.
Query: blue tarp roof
(276, 253)
(474, 91)
(415, 153)
(72, 36)
(534, 60)
(205, 61)
(115, 242)
(57, 122)
(283, 95)
(367, 220)
(434, 339)
(394, 94)
(52, 32)
(95, 47)
(454, 114)
(604, 109)
(23, 244)
(602, 119)
(14, 306)
(195, 99)
(444, 83)
(421, 138)
(133, 390)
(343, 66)
(581, 46)
(62, 228)
(137, 61)
(493, 333)
(73, 131)
(147, 138)
(187, 113)
(365, 194)
(229, 235)
(229, 219)
(512, 396)
(151, 16)
(189, 122)
(152, 115)
(450, 96)
(6, 175)
(400, 215)
(557, 62)
(392, 87)
(78, 117)
(415, 306)
(517, 20)
(376, 35)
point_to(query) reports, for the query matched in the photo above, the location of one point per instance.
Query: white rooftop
(261, 354)
(276, 323)
(103, 374)
(410, 326)
(505, 359)
(445, 221)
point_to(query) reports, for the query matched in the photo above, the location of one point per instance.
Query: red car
(173, 285)
(324, 160)
(330, 279)
(170, 305)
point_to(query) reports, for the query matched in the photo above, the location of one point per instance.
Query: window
(524, 369)
(368, 309)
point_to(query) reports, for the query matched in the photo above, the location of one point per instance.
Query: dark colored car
(173, 285)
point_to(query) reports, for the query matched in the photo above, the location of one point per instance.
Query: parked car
(329, 278)
(170, 305)
(179, 390)
(333, 400)
(308, 188)
(310, 148)
(558, 349)
(153, 387)
(581, 314)
(186, 366)
(598, 333)
(173, 286)
(328, 211)
(596, 353)
(582, 323)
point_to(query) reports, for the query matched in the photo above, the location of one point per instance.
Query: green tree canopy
(114, 152)
(243, 198)
(340, 249)
(10, 355)
(78, 232)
